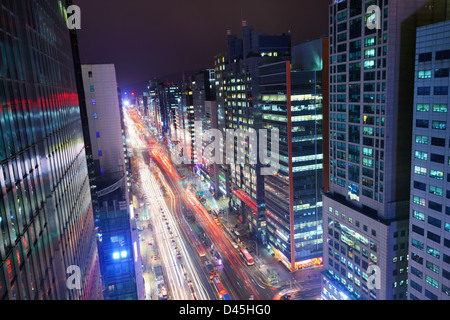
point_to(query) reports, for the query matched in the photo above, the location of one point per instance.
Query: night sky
(148, 38)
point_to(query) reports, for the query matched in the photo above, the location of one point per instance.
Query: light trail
(183, 279)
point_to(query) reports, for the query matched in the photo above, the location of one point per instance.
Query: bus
(220, 289)
(200, 250)
(247, 257)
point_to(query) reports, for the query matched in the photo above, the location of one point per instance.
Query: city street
(172, 203)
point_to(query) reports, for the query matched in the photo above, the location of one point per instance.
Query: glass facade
(293, 194)
(45, 210)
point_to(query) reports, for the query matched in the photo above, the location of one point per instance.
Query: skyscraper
(205, 114)
(366, 207)
(243, 120)
(46, 217)
(290, 94)
(118, 242)
(429, 259)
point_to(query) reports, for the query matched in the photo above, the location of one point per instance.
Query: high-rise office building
(429, 257)
(220, 62)
(46, 221)
(290, 94)
(118, 242)
(165, 98)
(205, 116)
(188, 117)
(243, 121)
(366, 199)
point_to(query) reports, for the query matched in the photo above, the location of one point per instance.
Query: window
(421, 139)
(99, 153)
(97, 134)
(95, 115)
(434, 222)
(432, 281)
(434, 237)
(423, 57)
(424, 74)
(90, 74)
(370, 53)
(423, 91)
(92, 89)
(93, 102)
(433, 252)
(439, 175)
(435, 190)
(441, 91)
(440, 125)
(369, 41)
(418, 230)
(421, 155)
(423, 107)
(441, 73)
(418, 215)
(439, 108)
(439, 142)
(435, 206)
(417, 272)
(443, 54)
(420, 201)
(432, 267)
(369, 64)
(437, 158)
(420, 170)
(420, 123)
(420, 185)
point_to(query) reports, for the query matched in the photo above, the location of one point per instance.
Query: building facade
(243, 119)
(429, 227)
(290, 94)
(46, 221)
(117, 235)
(366, 205)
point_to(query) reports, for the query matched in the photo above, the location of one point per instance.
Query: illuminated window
(421, 155)
(422, 107)
(439, 108)
(422, 139)
(440, 125)
(424, 74)
(420, 170)
(370, 53)
(369, 64)
(420, 201)
(418, 215)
